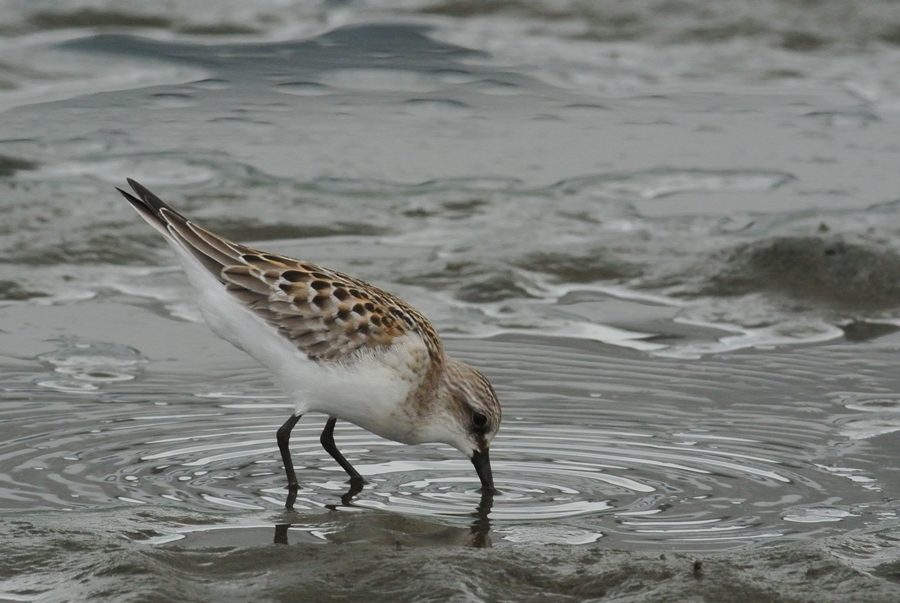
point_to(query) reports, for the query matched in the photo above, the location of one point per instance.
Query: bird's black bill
(482, 462)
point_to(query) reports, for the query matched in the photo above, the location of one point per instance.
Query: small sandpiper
(335, 344)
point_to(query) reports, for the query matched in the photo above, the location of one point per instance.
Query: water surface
(667, 234)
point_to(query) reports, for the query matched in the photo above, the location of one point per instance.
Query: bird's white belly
(364, 393)
(370, 391)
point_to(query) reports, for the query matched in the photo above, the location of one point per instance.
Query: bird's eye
(479, 419)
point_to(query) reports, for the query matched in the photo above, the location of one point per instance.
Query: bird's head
(467, 416)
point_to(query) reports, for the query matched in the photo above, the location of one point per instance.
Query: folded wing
(326, 314)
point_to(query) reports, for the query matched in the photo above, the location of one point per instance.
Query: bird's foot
(356, 486)
(291, 497)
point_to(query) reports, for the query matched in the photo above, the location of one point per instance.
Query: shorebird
(335, 344)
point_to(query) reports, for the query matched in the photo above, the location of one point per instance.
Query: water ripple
(595, 445)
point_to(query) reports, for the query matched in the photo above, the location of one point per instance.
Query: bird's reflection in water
(413, 529)
(481, 526)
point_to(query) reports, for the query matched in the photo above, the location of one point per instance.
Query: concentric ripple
(593, 446)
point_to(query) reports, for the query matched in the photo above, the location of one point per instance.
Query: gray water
(667, 232)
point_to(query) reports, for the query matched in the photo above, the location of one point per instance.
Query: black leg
(283, 437)
(327, 440)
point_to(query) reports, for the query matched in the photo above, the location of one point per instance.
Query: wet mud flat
(388, 559)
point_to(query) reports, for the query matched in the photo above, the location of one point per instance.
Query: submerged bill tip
(482, 461)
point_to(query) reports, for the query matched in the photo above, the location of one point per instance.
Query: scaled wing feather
(326, 314)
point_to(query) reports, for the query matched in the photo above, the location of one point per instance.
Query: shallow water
(595, 445)
(666, 232)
